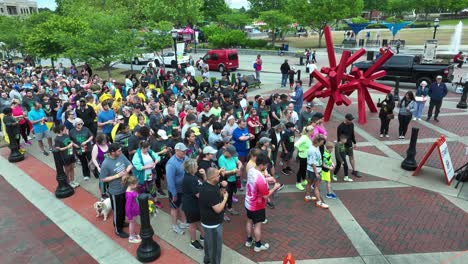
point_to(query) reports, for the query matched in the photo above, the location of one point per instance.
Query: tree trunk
(321, 32)
(52, 62)
(273, 38)
(109, 72)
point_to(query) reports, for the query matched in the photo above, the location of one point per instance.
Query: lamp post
(436, 25)
(175, 34)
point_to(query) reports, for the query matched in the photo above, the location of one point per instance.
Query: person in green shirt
(232, 167)
(302, 146)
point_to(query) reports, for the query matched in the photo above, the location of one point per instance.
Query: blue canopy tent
(395, 27)
(356, 28)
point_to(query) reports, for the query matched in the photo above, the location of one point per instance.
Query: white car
(142, 58)
(168, 58)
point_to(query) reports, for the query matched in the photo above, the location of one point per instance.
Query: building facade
(17, 7)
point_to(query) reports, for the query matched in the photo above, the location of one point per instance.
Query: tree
(275, 20)
(257, 6)
(52, 37)
(179, 12)
(370, 5)
(235, 20)
(397, 7)
(10, 29)
(212, 8)
(157, 36)
(319, 13)
(456, 6)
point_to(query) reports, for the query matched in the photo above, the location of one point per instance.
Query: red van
(220, 59)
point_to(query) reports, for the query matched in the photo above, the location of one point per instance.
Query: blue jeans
(419, 109)
(284, 79)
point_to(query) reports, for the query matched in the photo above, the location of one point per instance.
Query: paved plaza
(387, 216)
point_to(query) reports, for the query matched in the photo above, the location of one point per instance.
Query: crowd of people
(207, 142)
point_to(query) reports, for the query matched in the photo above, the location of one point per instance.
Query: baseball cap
(310, 105)
(319, 115)
(196, 130)
(209, 150)
(264, 140)
(162, 134)
(180, 146)
(439, 77)
(349, 117)
(232, 150)
(230, 117)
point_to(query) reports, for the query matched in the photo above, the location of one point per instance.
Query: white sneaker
(322, 205)
(347, 179)
(381, 135)
(184, 225)
(134, 240)
(262, 247)
(86, 178)
(249, 243)
(265, 222)
(177, 230)
(387, 136)
(414, 118)
(76, 184)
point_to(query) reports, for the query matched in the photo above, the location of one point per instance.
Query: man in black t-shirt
(347, 128)
(212, 205)
(275, 110)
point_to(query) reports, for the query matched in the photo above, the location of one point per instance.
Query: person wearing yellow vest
(133, 120)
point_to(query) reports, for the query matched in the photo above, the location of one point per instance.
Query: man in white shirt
(312, 67)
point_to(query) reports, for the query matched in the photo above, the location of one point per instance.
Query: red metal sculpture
(337, 85)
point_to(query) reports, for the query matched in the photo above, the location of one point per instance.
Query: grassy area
(412, 37)
(117, 74)
(453, 22)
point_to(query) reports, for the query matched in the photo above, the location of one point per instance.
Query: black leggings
(24, 131)
(118, 205)
(231, 188)
(301, 173)
(338, 164)
(404, 121)
(85, 158)
(384, 124)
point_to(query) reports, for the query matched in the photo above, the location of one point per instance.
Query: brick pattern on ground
(294, 226)
(408, 220)
(28, 236)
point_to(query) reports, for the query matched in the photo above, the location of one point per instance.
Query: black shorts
(177, 203)
(256, 216)
(68, 160)
(192, 217)
(286, 156)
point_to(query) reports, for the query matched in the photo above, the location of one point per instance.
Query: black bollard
(410, 163)
(64, 189)
(396, 91)
(298, 75)
(462, 103)
(12, 130)
(148, 250)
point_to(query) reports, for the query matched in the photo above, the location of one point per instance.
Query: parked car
(168, 58)
(220, 59)
(409, 69)
(142, 58)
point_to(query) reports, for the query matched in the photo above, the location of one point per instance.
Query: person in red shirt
(459, 59)
(258, 67)
(256, 197)
(254, 126)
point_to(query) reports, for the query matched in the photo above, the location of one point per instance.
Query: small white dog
(103, 208)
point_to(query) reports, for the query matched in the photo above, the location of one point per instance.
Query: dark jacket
(346, 130)
(285, 68)
(387, 108)
(437, 92)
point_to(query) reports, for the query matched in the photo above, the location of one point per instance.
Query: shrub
(228, 39)
(255, 43)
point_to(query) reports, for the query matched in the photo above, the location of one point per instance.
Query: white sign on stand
(430, 49)
(446, 161)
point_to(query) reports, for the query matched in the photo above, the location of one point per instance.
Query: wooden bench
(253, 83)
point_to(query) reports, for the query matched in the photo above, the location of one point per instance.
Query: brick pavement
(456, 149)
(408, 220)
(455, 124)
(372, 150)
(304, 230)
(28, 236)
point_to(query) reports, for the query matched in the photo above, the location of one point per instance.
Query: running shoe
(304, 182)
(271, 205)
(233, 212)
(227, 218)
(265, 222)
(321, 205)
(249, 243)
(387, 136)
(331, 196)
(280, 188)
(334, 178)
(381, 135)
(309, 198)
(264, 246)
(356, 174)
(196, 245)
(347, 179)
(28, 143)
(134, 240)
(234, 199)
(183, 225)
(45, 152)
(86, 178)
(177, 230)
(285, 172)
(299, 186)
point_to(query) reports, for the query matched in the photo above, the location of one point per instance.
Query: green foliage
(157, 36)
(211, 30)
(181, 12)
(359, 20)
(235, 20)
(255, 43)
(212, 8)
(258, 6)
(10, 27)
(319, 13)
(227, 39)
(276, 21)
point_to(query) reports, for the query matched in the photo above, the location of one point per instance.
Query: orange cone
(289, 259)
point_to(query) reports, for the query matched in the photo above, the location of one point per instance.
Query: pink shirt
(16, 112)
(319, 130)
(256, 189)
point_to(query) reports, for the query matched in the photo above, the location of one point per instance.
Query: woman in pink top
(317, 118)
(17, 112)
